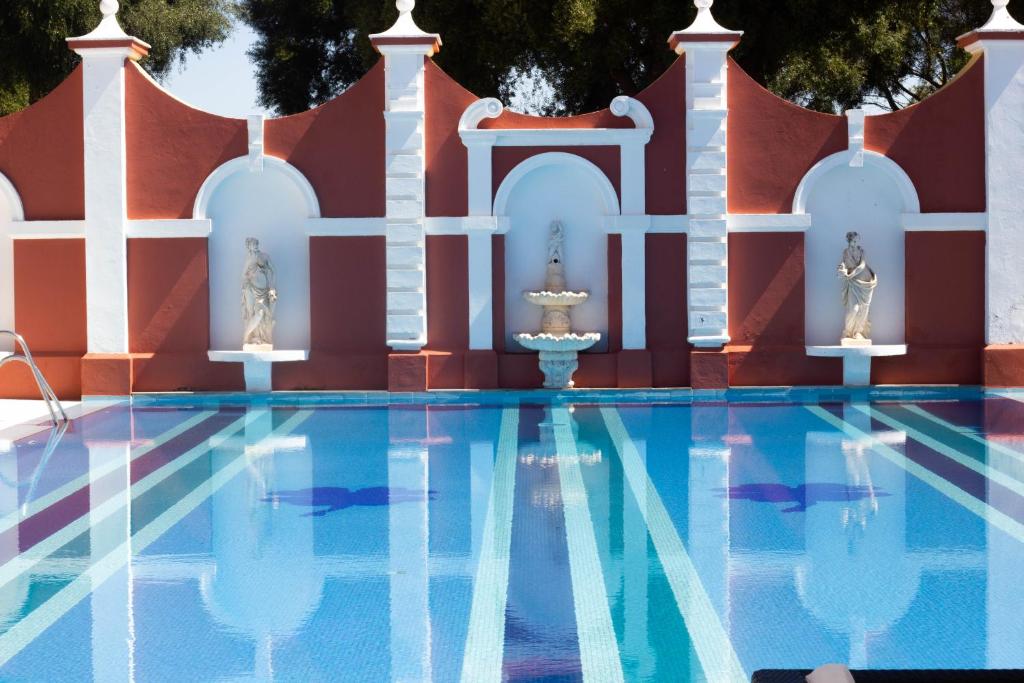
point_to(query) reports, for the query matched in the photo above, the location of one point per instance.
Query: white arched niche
(273, 206)
(867, 199)
(11, 211)
(544, 188)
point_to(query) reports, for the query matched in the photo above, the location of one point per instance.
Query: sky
(221, 80)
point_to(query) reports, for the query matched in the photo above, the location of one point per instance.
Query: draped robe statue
(859, 283)
(259, 296)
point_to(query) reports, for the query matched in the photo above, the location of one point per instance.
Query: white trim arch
(12, 199)
(902, 181)
(10, 202)
(242, 165)
(609, 197)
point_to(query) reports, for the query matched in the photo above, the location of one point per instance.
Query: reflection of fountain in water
(857, 579)
(265, 584)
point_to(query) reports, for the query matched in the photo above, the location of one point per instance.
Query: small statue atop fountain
(556, 342)
(259, 297)
(859, 283)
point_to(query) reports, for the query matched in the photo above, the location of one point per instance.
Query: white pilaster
(1001, 40)
(405, 48)
(706, 46)
(104, 52)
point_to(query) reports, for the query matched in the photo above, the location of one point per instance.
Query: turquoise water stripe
(715, 651)
(32, 507)
(485, 638)
(24, 562)
(953, 454)
(992, 446)
(983, 510)
(599, 648)
(38, 620)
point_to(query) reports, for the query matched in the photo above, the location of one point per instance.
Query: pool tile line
(714, 649)
(995, 517)
(966, 433)
(953, 454)
(25, 561)
(38, 620)
(485, 636)
(599, 647)
(30, 508)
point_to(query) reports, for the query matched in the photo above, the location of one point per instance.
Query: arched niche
(544, 188)
(11, 211)
(273, 206)
(867, 199)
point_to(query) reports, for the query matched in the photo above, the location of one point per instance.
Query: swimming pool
(527, 537)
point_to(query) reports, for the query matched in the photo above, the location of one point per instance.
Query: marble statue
(259, 297)
(859, 283)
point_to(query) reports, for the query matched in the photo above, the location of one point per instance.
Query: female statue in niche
(859, 283)
(259, 296)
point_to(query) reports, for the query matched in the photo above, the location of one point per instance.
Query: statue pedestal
(258, 365)
(857, 359)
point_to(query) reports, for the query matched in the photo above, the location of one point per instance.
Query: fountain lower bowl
(559, 342)
(556, 298)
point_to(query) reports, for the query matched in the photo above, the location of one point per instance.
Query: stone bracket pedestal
(633, 369)
(258, 365)
(709, 369)
(857, 359)
(407, 372)
(107, 374)
(558, 368)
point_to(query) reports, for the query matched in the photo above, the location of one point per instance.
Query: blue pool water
(525, 538)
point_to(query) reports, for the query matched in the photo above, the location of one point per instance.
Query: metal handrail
(49, 397)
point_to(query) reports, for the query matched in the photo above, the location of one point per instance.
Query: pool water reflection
(520, 542)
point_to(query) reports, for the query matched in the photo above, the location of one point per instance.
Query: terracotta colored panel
(597, 371)
(772, 145)
(445, 370)
(709, 369)
(339, 147)
(481, 370)
(602, 118)
(498, 290)
(49, 294)
(606, 158)
(766, 288)
(43, 154)
(1004, 365)
(945, 289)
(940, 143)
(930, 365)
(446, 158)
(634, 369)
(667, 326)
(348, 295)
(63, 372)
(519, 371)
(671, 368)
(407, 372)
(106, 374)
(666, 152)
(767, 366)
(184, 371)
(447, 292)
(168, 295)
(334, 372)
(614, 293)
(172, 148)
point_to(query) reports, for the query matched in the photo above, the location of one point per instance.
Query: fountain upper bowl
(546, 298)
(558, 342)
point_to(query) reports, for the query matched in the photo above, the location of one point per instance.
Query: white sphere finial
(703, 4)
(999, 4)
(405, 6)
(109, 8)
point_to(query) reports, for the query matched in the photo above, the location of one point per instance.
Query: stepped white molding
(706, 46)
(404, 47)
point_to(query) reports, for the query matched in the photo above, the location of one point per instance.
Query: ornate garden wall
(705, 216)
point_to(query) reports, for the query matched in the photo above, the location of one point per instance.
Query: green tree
(828, 55)
(34, 58)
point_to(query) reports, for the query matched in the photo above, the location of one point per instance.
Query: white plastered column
(405, 47)
(103, 53)
(706, 46)
(1001, 41)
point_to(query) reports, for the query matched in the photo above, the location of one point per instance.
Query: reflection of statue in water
(859, 283)
(259, 296)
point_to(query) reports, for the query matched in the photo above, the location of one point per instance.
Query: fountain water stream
(557, 343)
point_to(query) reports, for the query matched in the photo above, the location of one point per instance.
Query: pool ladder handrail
(58, 416)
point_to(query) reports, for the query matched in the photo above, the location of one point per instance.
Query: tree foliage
(34, 58)
(829, 55)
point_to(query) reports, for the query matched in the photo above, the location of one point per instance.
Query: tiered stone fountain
(557, 343)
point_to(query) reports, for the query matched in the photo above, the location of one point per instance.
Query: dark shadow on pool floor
(333, 498)
(804, 495)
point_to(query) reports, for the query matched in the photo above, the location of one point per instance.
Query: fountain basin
(558, 342)
(556, 298)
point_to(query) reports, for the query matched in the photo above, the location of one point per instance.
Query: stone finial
(406, 32)
(1000, 25)
(110, 34)
(704, 29)
(1001, 20)
(109, 7)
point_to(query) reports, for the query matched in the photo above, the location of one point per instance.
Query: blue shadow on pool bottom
(804, 495)
(333, 498)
